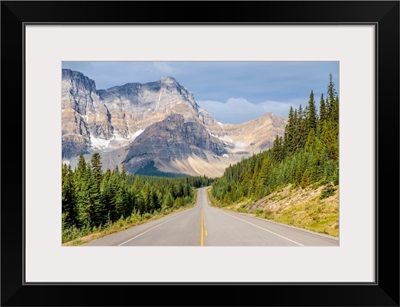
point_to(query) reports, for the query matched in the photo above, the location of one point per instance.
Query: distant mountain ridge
(158, 123)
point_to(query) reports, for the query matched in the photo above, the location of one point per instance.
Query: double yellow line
(203, 232)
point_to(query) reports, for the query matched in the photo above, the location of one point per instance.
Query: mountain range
(156, 124)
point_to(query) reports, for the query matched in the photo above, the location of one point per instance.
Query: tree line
(93, 198)
(307, 153)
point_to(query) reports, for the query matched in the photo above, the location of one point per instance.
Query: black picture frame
(383, 14)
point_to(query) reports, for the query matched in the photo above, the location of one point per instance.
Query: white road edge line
(296, 228)
(261, 228)
(146, 231)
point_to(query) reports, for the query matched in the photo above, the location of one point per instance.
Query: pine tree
(68, 197)
(334, 112)
(302, 127)
(81, 167)
(168, 201)
(121, 200)
(288, 135)
(114, 188)
(155, 204)
(96, 209)
(123, 173)
(116, 170)
(311, 113)
(107, 196)
(300, 114)
(96, 167)
(144, 193)
(331, 95)
(322, 110)
(82, 200)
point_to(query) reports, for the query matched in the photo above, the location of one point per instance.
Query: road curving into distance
(204, 225)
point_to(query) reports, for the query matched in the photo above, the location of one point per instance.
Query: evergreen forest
(93, 200)
(307, 153)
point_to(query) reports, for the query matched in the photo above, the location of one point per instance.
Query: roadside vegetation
(97, 202)
(305, 158)
(303, 208)
(74, 236)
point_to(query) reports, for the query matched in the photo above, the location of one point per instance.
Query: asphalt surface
(204, 225)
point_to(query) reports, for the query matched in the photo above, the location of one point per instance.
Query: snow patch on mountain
(240, 145)
(116, 142)
(137, 133)
(226, 139)
(98, 143)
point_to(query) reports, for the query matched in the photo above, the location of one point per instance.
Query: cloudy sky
(232, 92)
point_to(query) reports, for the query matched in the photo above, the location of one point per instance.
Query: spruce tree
(106, 196)
(331, 95)
(83, 206)
(168, 201)
(95, 161)
(322, 110)
(302, 127)
(114, 188)
(311, 113)
(334, 113)
(122, 200)
(288, 135)
(81, 167)
(68, 197)
(123, 172)
(97, 208)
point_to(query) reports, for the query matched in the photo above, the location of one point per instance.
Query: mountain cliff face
(84, 115)
(256, 135)
(171, 139)
(156, 123)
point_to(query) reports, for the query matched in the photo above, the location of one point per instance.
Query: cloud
(239, 110)
(164, 67)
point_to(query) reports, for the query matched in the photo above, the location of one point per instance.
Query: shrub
(327, 191)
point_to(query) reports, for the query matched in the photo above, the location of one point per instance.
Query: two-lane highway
(204, 225)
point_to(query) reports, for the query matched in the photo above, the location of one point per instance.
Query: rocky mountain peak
(78, 79)
(171, 85)
(156, 122)
(172, 139)
(175, 118)
(169, 80)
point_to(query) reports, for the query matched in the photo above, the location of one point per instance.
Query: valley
(140, 153)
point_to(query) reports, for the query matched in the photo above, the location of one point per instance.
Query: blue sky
(232, 92)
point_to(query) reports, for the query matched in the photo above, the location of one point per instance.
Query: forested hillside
(93, 200)
(308, 153)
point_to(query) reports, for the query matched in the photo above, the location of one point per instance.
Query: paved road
(208, 226)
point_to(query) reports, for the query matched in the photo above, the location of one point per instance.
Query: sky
(232, 92)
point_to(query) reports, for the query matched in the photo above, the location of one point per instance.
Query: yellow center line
(205, 231)
(202, 228)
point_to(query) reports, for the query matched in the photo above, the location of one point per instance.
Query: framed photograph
(248, 153)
